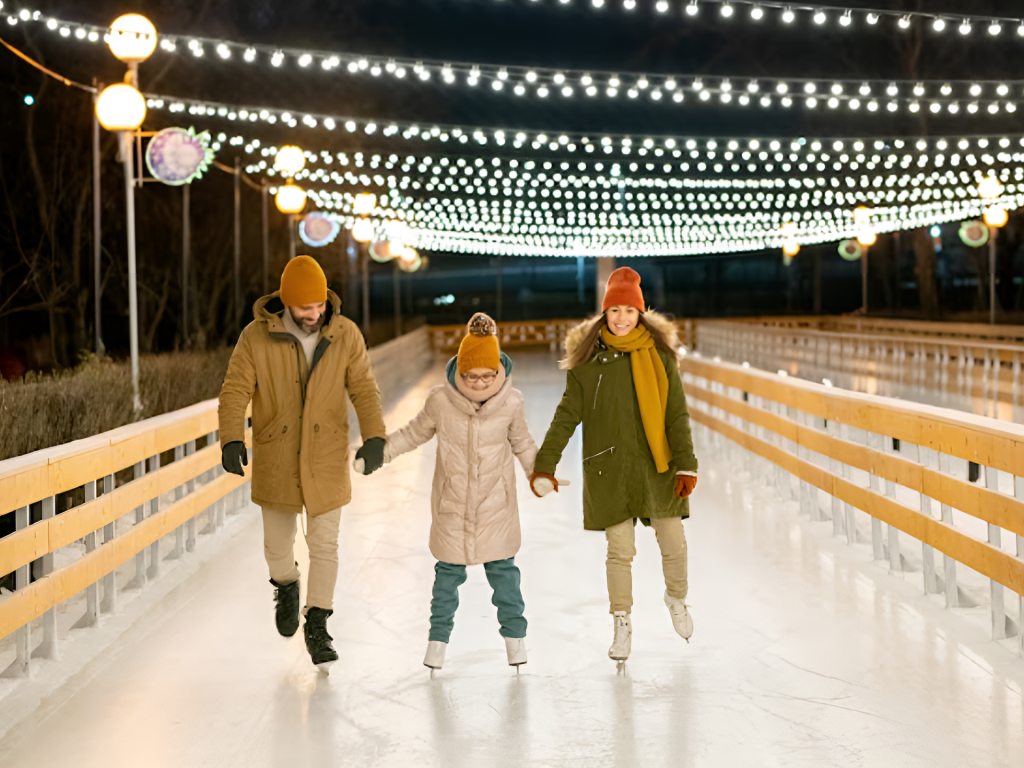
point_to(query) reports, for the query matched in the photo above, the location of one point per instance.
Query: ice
(804, 652)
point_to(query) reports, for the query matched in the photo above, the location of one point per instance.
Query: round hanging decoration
(318, 229)
(974, 233)
(176, 156)
(851, 250)
(380, 251)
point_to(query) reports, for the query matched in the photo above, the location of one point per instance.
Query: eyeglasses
(472, 378)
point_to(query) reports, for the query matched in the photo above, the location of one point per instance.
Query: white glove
(359, 465)
(542, 486)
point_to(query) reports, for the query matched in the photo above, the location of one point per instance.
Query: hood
(451, 369)
(268, 309)
(653, 319)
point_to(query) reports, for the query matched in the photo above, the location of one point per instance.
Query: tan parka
(473, 503)
(299, 411)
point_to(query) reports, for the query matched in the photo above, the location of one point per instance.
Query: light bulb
(846, 19)
(939, 24)
(132, 38)
(965, 28)
(364, 203)
(820, 17)
(996, 216)
(290, 199)
(788, 16)
(904, 22)
(757, 13)
(692, 8)
(990, 188)
(289, 160)
(727, 10)
(867, 238)
(363, 231)
(872, 18)
(120, 107)
(995, 28)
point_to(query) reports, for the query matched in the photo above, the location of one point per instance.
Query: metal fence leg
(996, 590)
(179, 494)
(109, 604)
(140, 559)
(48, 648)
(892, 534)
(154, 507)
(22, 664)
(92, 592)
(948, 563)
(190, 487)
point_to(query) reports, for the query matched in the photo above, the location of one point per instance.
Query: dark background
(46, 297)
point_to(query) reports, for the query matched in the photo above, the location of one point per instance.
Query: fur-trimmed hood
(577, 335)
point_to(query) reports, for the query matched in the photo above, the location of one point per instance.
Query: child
(480, 423)
(623, 384)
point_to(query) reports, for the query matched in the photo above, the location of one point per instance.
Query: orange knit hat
(623, 289)
(303, 283)
(480, 347)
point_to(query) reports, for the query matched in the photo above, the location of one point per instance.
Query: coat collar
(462, 403)
(268, 309)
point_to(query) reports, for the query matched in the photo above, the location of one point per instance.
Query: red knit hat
(623, 289)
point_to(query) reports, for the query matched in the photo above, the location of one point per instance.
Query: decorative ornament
(177, 156)
(380, 251)
(318, 229)
(851, 250)
(974, 233)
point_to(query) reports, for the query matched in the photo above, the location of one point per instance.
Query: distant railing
(933, 362)
(903, 465)
(534, 333)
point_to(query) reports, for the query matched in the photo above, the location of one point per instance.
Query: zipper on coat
(598, 390)
(602, 453)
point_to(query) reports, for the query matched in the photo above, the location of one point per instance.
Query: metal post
(186, 257)
(238, 244)
(397, 289)
(498, 289)
(97, 287)
(364, 259)
(92, 592)
(864, 280)
(133, 300)
(265, 199)
(22, 664)
(109, 604)
(291, 237)
(48, 648)
(993, 236)
(154, 507)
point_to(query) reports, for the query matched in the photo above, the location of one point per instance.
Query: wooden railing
(33, 483)
(904, 465)
(1011, 334)
(534, 333)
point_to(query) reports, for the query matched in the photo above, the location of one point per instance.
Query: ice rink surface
(803, 654)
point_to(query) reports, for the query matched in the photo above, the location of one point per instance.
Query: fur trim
(661, 322)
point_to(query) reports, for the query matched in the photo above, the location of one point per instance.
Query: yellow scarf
(651, 384)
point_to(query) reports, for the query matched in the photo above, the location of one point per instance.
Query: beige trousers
(322, 540)
(622, 549)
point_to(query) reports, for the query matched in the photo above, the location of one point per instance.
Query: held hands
(370, 457)
(233, 457)
(542, 484)
(685, 485)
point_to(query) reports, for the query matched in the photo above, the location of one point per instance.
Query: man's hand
(372, 455)
(685, 485)
(233, 457)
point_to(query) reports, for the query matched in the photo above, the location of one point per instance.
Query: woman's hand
(685, 485)
(542, 484)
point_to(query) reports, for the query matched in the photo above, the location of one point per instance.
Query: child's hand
(685, 485)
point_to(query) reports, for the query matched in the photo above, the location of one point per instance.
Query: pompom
(481, 324)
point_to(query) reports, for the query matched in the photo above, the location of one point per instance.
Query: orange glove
(542, 476)
(685, 485)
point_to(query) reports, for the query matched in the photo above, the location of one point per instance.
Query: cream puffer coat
(473, 503)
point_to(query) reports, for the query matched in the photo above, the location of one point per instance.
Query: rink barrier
(194, 478)
(927, 362)
(983, 332)
(445, 339)
(858, 448)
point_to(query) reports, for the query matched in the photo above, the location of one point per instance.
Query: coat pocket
(274, 429)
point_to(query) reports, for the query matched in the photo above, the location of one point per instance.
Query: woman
(623, 384)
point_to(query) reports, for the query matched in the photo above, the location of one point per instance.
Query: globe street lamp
(290, 200)
(990, 189)
(121, 108)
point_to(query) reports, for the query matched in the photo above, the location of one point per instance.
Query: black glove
(233, 457)
(372, 453)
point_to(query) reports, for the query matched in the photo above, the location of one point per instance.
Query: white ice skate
(623, 642)
(435, 654)
(515, 647)
(680, 616)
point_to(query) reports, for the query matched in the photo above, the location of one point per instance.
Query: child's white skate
(623, 642)
(680, 616)
(435, 654)
(515, 647)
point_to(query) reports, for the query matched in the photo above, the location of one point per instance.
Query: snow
(805, 652)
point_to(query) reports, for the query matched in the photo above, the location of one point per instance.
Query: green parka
(620, 480)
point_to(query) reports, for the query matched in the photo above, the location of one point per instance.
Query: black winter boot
(318, 641)
(286, 607)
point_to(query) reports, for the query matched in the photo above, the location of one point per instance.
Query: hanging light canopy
(121, 107)
(363, 231)
(132, 38)
(290, 199)
(289, 160)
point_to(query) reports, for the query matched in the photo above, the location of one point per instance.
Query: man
(294, 362)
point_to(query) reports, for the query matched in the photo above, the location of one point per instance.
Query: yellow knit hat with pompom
(480, 347)
(303, 283)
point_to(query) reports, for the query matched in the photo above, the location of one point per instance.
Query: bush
(46, 410)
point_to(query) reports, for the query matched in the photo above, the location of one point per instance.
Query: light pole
(291, 198)
(990, 189)
(121, 108)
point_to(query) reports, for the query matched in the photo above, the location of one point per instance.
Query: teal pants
(502, 575)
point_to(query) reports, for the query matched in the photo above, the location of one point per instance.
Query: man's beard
(309, 329)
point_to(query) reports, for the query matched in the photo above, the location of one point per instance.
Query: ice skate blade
(325, 668)
(428, 666)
